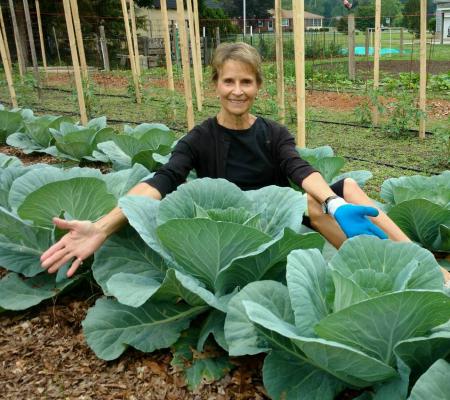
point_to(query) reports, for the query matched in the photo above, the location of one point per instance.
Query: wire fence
(325, 38)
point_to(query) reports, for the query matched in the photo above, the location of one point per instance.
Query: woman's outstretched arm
(86, 237)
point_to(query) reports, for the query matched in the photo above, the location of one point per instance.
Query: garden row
(211, 263)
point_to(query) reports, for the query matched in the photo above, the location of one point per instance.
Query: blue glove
(353, 220)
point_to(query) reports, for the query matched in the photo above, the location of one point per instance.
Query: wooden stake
(57, 45)
(195, 64)
(376, 56)
(17, 40)
(298, 11)
(166, 35)
(199, 49)
(79, 38)
(41, 37)
(423, 67)
(186, 64)
(279, 56)
(5, 38)
(7, 68)
(135, 41)
(131, 52)
(75, 63)
(32, 48)
(401, 41)
(351, 47)
(104, 48)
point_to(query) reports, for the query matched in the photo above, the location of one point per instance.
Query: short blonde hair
(239, 51)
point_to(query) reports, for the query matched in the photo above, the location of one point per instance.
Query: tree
(411, 15)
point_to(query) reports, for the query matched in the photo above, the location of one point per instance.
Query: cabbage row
(62, 138)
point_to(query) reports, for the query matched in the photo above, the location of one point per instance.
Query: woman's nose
(237, 90)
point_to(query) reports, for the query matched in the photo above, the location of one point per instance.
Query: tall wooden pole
(195, 64)
(57, 45)
(41, 36)
(135, 41)
(186, 64)
(5, 38)
(376, 56)
(197, 43)
(17, 40)
(75, 62)
(298, 10)
(279, 56)
(166, 35)
(104, 48)
(79, 38)
(351, 47)
(7, 68)
(131, 52)
(423, 67)
(32, 48)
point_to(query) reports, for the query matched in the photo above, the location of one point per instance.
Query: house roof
(288, 14)
(172, 4)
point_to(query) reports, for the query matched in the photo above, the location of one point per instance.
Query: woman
(250, 151)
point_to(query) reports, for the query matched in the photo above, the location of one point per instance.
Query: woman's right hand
(82, 240)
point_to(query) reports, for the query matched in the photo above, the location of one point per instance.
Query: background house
(312, 21)
(443, 20)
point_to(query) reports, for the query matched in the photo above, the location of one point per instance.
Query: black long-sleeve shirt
(262, 155)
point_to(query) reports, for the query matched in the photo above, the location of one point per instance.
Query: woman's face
(236, 87)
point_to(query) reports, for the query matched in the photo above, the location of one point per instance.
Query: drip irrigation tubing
(180, 130)
(392, 165)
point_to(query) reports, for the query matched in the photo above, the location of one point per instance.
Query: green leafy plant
(137, 145)
(77, 142)
(10, 122)
(199, 244)
(29, 198)
(401, 115)
(358, 321)
(323, 159)
(35, 136)
(420, 206)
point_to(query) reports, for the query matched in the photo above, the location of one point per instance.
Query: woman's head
(241, 52)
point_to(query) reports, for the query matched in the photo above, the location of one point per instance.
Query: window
(260, 23)
(270, 25)
(285, 22)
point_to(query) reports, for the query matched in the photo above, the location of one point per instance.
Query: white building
(443, 20)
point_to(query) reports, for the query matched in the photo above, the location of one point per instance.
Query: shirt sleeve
(174, 173)
(291, 164)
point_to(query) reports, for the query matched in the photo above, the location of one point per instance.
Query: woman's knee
(352, 190)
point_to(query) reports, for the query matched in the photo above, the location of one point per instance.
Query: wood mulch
(44, 355)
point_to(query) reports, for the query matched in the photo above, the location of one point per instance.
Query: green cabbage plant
(375, 316)
(138, 145)
(76, 142)
(10, 122)
(420, 206)
(35, 135)
(323, 159)
(193, 250)
(29, 198)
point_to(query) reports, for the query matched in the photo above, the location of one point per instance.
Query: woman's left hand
(353, 220)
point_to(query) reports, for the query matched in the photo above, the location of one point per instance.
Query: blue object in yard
(361, 51)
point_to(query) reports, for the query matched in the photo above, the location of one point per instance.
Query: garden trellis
(194, 42)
